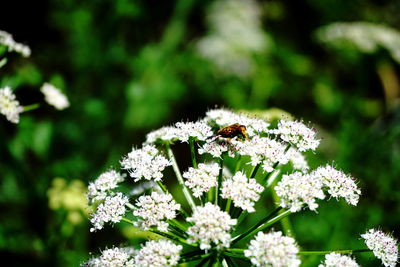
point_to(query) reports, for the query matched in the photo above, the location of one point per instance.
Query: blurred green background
(129, 67)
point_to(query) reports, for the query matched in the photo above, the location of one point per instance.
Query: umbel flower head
(7, 40)
(9, 106)
(203, 219)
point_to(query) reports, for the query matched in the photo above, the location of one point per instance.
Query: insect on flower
(234, 130)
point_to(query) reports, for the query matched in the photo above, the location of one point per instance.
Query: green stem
(3, 62)
(271, 177)
(194, 258)
(238, 164)
(193, 152)
(341, 251)
(129, 205)
(127, 220)
(221, 168)
(264, 223)
(234, 255)
(172, 237)
(254, 171)
(241, 218)
(31, 107)
(186, 192)
(162, 187)
(228, 205)
(230, 262)
(177, 225)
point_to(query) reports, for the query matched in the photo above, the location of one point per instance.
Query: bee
(234, 130)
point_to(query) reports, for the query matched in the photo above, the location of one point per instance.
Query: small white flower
(111, 210)
(200, 180)
(145, 163)
(217, 147)
(98, 189)
(273, 249)
(153, 210)
(243, 191)
(113, 257)
(298, 189)
(158, 253)
(337, 260)
(54, 96)
(262, 150)
(7, 40)
(338, 183)
(199, 130)
(164, 134)
(222, 118)
(298, 134)
(383, 246)
(297, 159)
(211, 227)
(9, 106)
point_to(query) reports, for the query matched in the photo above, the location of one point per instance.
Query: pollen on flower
(111, 210)
(211, 227)
(154, 210)
(201, 179)
(7, 40)
(54, 96)
(9, 106)
(145, 163)
(298, 134)
(113, 257)
(244, 192)
(338, 184)
(199, 131)
(98, 190)
(384, 246)
(158, 253)
(297, 190)
(273, 249)
(337, 260)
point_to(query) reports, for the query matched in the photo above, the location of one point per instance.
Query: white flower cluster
(337, 260)
(113, 257)
(54, 96)
(145, 163)
(297, 159)
(211, 226)
(202, 178)
(338, 184)
(262, 150)
(297, 134)
(141, 188)
(216, 148)
(383, 246)
(236, 35)
(199, 130)
(164, 134)
(298, 189)
(98, 190)
(365, 36)
(7, 40)
(153, 210)
(244, 192)
(273, 249)
(111, 210)
(9, 106)
(224, 117)
(158, 253)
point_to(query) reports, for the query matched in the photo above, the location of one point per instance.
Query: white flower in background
(153, 210)
(141, 188)
(297, 159)
(297, 190)
(107, 181)
(164, 134)
(223, 117)
(262, 150)
(7, 40)
(111, 210)
(113, 257)
(201, 179)
(200, 131)
(235, 36)
(338, 183)
(158, 253)
(9, 106)
(337, 260)
(244, 192)
(145, 163)
(211, 227)
(54, 96)
(297, 134)
(383, 246)
(273, 249)
(365, 36)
